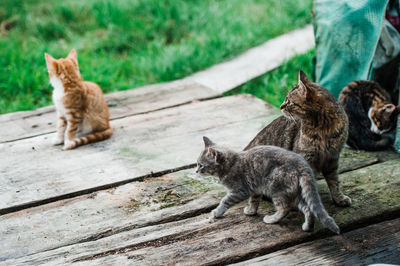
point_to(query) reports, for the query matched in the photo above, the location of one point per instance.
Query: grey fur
(281, 175)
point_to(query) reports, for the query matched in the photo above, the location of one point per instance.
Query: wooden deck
(134, 199)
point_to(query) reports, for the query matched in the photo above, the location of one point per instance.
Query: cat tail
(309, 193)
(93, 137)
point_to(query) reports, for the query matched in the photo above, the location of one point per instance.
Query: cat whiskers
(290, 116)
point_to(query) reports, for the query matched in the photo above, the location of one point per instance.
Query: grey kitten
(281, 175)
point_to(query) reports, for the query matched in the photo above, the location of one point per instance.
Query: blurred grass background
(124, 44)
(273, 86)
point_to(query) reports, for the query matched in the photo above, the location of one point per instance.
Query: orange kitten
(81, 107)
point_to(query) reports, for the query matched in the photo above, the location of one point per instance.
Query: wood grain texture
(378, 243)
(92, 216)
(33, 170)
(174, 196)
(354, 159)
(27, 124)
(195, 241)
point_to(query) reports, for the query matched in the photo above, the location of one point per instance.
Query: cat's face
(63, 68)
(384, 118)
(208, 162)
(305, 98)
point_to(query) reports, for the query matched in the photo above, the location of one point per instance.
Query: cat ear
(303, 81)
(50, 61)
(303, 77)
(388, 110)
(207, 142)
(214, 154)
(73, 55)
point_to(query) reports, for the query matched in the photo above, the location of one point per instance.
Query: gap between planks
(90, 190)
(377, 243)
(141, 146)
(123, 104)
(111, 227)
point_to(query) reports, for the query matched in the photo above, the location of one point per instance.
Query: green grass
(124, 44)
(273, 86)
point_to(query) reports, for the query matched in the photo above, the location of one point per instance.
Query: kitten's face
(208, 161)
(63, 68)
(305, 98)
(384, 118)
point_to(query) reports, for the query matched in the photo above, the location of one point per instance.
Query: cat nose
(283, 106)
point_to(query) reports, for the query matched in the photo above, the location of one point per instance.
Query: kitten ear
(73, 55)
(50, 61)
(303, 81)
(207, 142)
(214, 154)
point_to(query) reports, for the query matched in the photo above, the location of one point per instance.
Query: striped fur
(315, 126)
(94, 137)
(280, 175)
(83, 115)
(309, 193)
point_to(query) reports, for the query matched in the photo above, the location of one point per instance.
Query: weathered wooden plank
(34, 170)
(256, 61)
(353, 159)
(375, 191)
(90, 216)
(378, 243)
(154, 201)
(27, 124)
(387, 155)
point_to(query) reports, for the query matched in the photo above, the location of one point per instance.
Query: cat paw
(57, 141)
(307, 227)
(68, 145)
(342, 201)
(213, 216)
(216, 213)
(211, 219)
(249, 211)
(269, 219)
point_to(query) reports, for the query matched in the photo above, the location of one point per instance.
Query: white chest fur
(58, 94)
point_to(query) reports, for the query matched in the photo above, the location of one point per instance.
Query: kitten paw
(342, 201)
(269, 219)
(57, 141)
(216, 213)
(307, 227)
(68, 145)
(249, 211)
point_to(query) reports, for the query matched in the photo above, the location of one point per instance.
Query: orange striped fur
(82, 111)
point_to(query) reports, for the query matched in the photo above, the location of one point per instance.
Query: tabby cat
(80, 105)
(281, 175)
(370, 113)
(315, 126)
